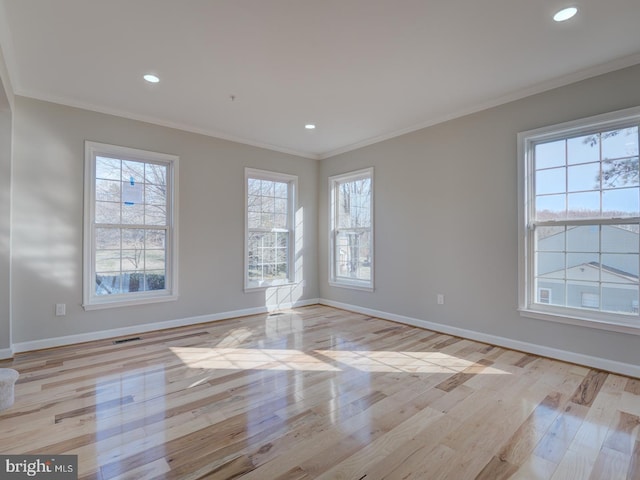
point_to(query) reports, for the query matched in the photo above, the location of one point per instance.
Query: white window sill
(353, 286)
(259, 288)
(612, 323)
(113, 303)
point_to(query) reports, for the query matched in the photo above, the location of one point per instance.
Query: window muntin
(581, 211)
(269, 228)
(130, 229)
(351, 243)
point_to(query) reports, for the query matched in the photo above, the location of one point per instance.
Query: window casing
(580, 222)
(269, 228)
(351, 230)
(130, 227)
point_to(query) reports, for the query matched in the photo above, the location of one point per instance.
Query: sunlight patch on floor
(325, 360)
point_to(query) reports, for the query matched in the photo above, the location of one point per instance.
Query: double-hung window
(130, 228)
(269, 229)
(580, 221)
(351, 235)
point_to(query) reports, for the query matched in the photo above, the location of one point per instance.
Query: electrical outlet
(440, 299)
(61, 309)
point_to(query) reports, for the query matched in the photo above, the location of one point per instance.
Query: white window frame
(528, 307)
(292, 183)
(334, 182)
(91, 301)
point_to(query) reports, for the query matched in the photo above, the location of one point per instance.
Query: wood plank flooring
(320, 393)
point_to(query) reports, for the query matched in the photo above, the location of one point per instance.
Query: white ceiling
(362, 70)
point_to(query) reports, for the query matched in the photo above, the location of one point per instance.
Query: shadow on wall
(47, 221)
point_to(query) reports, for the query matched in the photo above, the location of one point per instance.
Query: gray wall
(47, 220)
(447, 220)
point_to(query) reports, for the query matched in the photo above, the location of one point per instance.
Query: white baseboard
(6, 353)
(148, 327)
(572, 357)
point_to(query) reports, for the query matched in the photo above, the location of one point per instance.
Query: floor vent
(276, 314)
(125, 340)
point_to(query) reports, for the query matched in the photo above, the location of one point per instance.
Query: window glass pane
(583, 266)
(624, 202)
(132, 281)
(551, 181)
(583, 239)
(267, 257)
(578, 291)
(107, 283)
(551, 207)
(155, 215)
(620, 143)
(550, 264)
(155, 280)
(353, 255)
(620, 239)
(551, 154)
(108, 168)
(267, 188)
(550, 239)
(154, 260)
(132, 259)
(584, 177)
(108, 260)
(155, 174)
(583, 149)
(126, 257)
(620, 298)
(155, 195)
(132, 170)
(253, 219)
(619, 267)
(133, 214)
(155, 239)
(583, 205)
(107, 238)
(281, 206)
(555, 289)
(620, 173)
(354, 203)
(280, 221)
(132, 238)
(590, 300)
(108, 190)
(108, 212)
(281, 190)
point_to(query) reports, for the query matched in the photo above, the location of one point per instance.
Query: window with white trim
(269, 228)
(351, 235)
(580, 220)
(130, 228)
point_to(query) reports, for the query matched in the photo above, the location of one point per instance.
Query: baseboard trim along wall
(571, 357)
(147, 327)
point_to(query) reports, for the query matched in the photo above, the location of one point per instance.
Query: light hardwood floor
(320, 393)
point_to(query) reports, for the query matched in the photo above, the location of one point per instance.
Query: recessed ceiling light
(565, 14)
(310, 126)
(149, 77)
